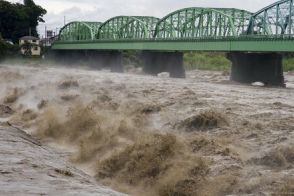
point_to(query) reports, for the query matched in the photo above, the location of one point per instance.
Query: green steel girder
(246, 44)
(128, 27)
(75, 31)
(203, 22)
(275, 19)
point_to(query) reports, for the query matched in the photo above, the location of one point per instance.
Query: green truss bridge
(253, 41)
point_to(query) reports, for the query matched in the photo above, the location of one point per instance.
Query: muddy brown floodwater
(143, 135)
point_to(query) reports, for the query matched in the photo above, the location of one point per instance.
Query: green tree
(3, 49)
(35, 14)
(17, 20)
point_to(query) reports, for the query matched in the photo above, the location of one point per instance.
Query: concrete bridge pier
(257, 67)
(94, 58)
(114, 60)
(75, 57)
(57, 55)
(157, 62)
(70, 57)
(105, 59)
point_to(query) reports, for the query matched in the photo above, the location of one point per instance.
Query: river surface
(249, 138)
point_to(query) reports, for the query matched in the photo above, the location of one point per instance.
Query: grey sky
(100, 10)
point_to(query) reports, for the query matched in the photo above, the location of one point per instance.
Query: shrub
(7, 50)
(206, 61)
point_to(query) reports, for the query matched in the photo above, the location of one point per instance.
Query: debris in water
(261, 84)
(64, 172)
(163, 75)
(69, 97)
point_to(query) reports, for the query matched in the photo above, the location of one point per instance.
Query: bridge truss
(274, 20)
(208, 29)
(128, 27)
(203, 22)
(77, 31)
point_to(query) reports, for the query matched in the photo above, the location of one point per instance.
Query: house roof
(29, 38)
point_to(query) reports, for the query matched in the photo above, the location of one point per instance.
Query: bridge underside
(246, 67)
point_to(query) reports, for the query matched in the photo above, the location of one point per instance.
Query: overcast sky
(100, 10)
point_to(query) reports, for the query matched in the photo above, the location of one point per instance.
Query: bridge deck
(251, 45)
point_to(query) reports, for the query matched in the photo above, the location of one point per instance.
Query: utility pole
(45, 35)
(64, 21)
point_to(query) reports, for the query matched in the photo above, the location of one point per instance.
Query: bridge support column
(70, 57)
(257, 67)
(157, 62)
(115, 61)
(99, 59)
(94, 59)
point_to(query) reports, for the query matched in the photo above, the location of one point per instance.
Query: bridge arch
(128, 27)
(198, 22)
(76, 31)
(275, 19)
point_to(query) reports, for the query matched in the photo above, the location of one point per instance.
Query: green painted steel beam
(264, 45)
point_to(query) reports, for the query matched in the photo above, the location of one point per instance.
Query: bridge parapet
(78, 31)
(203, 22)
(128, 27)
(274, 20)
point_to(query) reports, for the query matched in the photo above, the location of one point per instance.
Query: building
(30, 46)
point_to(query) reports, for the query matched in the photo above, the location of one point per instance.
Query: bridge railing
(199, 39)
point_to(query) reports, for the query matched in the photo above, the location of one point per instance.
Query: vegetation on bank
(288, 62)
(132, 58)
(8, 50)
(206, 61)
